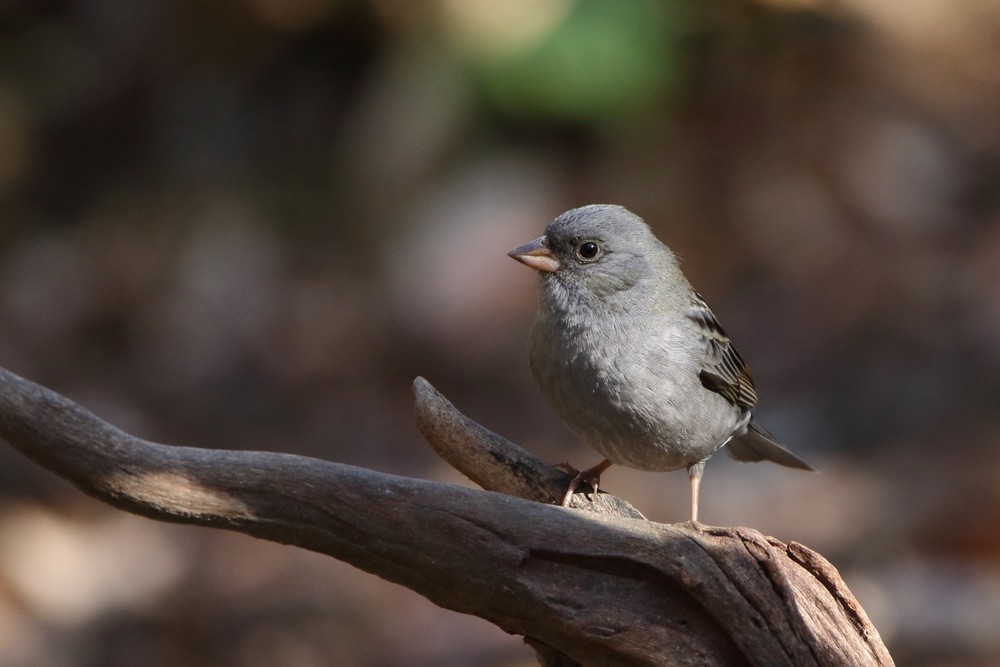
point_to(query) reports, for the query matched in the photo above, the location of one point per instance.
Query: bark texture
(593, 585)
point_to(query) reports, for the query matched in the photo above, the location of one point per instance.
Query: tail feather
(757, 445)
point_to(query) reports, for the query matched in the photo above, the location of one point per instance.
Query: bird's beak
(536, 254)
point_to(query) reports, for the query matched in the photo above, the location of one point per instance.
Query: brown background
(250, 223)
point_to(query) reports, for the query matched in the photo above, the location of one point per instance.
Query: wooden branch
(602, 587)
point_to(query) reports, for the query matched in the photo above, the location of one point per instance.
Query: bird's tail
(757, 445)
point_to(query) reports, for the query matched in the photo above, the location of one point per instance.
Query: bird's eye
(588, 250)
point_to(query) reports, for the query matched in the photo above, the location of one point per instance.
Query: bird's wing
(724, 371)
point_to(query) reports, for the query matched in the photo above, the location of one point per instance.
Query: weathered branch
(584, 587)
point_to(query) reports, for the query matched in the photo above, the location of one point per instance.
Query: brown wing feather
(725, 371)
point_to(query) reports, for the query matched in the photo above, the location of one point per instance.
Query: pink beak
(536, 254)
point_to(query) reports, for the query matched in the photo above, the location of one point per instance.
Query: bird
(631, 358)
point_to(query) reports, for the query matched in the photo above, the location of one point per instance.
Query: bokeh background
(250, 223)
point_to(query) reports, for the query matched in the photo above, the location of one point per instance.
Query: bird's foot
(591, 476)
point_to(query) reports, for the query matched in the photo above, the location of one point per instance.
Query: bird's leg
(566, 468)
(694, 474)
(591, 476)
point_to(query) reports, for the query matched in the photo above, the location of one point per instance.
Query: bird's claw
(591, 476)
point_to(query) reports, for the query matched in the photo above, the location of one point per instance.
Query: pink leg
(694, 474)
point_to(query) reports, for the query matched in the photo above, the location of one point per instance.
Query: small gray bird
(631, 358)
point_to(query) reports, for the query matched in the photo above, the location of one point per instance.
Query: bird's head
(595, 253)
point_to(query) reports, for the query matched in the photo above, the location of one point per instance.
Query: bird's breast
(629, 388)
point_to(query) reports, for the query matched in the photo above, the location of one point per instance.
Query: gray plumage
(631, 358)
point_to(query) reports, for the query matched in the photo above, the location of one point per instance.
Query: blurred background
(249, 224)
